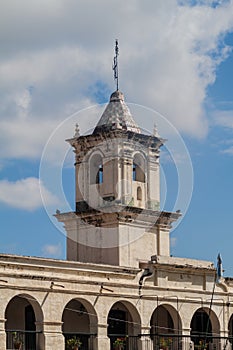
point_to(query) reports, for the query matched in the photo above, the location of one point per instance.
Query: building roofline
(50, 263)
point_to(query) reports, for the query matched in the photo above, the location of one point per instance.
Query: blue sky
(56, 61)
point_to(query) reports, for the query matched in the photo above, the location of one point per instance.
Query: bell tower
(117, 220)
(117, 164)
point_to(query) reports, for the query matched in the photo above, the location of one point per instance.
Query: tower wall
(121, 238)
(117, 220)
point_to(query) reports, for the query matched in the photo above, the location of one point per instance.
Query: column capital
(145, 329)
(186, 331)
(51, 326)
(102, 337)
(2, 324)
(51, 323)
(53, 335)
(102, 325)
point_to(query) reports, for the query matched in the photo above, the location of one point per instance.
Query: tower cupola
(116, 116)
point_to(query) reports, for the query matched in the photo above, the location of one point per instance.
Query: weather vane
(115, 64)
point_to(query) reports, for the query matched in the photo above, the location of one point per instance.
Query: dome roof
(117, 116)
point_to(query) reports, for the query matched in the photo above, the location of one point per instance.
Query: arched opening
(204, 325)
(139, 193)
(24, 323)
(230, 329)
(100, 177)
(134, 171)
(165, 328)
(96, 169)
(138, 169)
(124, 325)
(79, 322)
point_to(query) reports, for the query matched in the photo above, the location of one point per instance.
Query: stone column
(2, 334)
(124, 181)
(187, 343)
(103, 341)
(222, 343)
(146, 341)
(53, 337)
(153, 183)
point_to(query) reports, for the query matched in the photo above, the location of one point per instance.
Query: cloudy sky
(175, 58)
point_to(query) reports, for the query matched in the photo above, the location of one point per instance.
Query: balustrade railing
(86, 340)
(23, 340)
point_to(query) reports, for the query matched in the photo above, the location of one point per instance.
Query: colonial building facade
(119, 287)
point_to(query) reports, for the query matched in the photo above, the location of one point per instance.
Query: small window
(138, 170)
(96, 169)
(139, 193)
(134, 172)
(99, 177)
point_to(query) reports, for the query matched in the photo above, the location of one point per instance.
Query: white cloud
(224, 118)
(25, 194)
(52, 250)
(24, 138)
(56, 55)
(228, 151)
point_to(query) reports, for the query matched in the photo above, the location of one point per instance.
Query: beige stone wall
(120, 238)
(55, 289)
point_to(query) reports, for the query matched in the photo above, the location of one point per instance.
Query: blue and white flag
(219, 267)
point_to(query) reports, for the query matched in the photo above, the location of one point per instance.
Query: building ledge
(176, 263)
(38, 263)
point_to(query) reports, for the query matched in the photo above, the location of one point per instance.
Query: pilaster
(2, 334)
(126, 181)
(146, 341)
(163, 240)
(53, 337)
(222, 343)
(187, 343)
(103, 341)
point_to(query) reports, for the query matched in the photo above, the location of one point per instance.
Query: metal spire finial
(77, 132)
(155, 130)
(115, 64)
